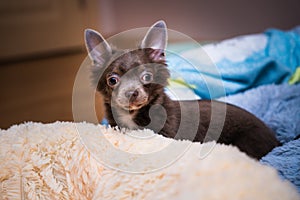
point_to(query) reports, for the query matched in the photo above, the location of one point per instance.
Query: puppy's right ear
(97, 47)
(156, 39)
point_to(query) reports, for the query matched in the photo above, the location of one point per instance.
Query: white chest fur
(125, 118)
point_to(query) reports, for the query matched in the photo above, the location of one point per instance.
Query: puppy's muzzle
(132, 95)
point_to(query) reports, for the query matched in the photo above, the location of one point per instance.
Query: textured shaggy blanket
(279, 107)
(85, 161)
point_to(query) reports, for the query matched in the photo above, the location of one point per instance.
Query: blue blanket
(236, 64)
(279, 107)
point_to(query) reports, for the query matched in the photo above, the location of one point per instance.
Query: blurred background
(42, 46)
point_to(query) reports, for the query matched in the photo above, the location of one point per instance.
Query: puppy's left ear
(156, 39)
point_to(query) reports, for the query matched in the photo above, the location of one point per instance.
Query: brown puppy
(132, 84)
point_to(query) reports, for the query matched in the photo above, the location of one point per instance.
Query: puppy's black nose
(131, 94)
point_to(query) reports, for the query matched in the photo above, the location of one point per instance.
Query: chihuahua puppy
(133, 83)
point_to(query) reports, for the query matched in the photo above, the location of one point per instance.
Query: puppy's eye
(113, 81)
(147, 77)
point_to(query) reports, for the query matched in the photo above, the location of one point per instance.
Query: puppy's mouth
(134, 106)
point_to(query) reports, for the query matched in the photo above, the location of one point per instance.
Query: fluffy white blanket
(86, 161)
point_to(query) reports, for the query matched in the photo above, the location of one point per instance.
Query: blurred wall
(37, 26)
(201, 19)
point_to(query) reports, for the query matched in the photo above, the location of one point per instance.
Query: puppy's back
(228, 124)
(241, 128)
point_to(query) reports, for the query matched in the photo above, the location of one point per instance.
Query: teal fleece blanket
(237, 64)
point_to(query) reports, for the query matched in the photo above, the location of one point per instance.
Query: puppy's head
(130, 79)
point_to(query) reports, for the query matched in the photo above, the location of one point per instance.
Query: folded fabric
(295, 77)
(276, 105)
(237, 64)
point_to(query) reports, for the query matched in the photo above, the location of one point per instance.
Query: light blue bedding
(279, 107)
